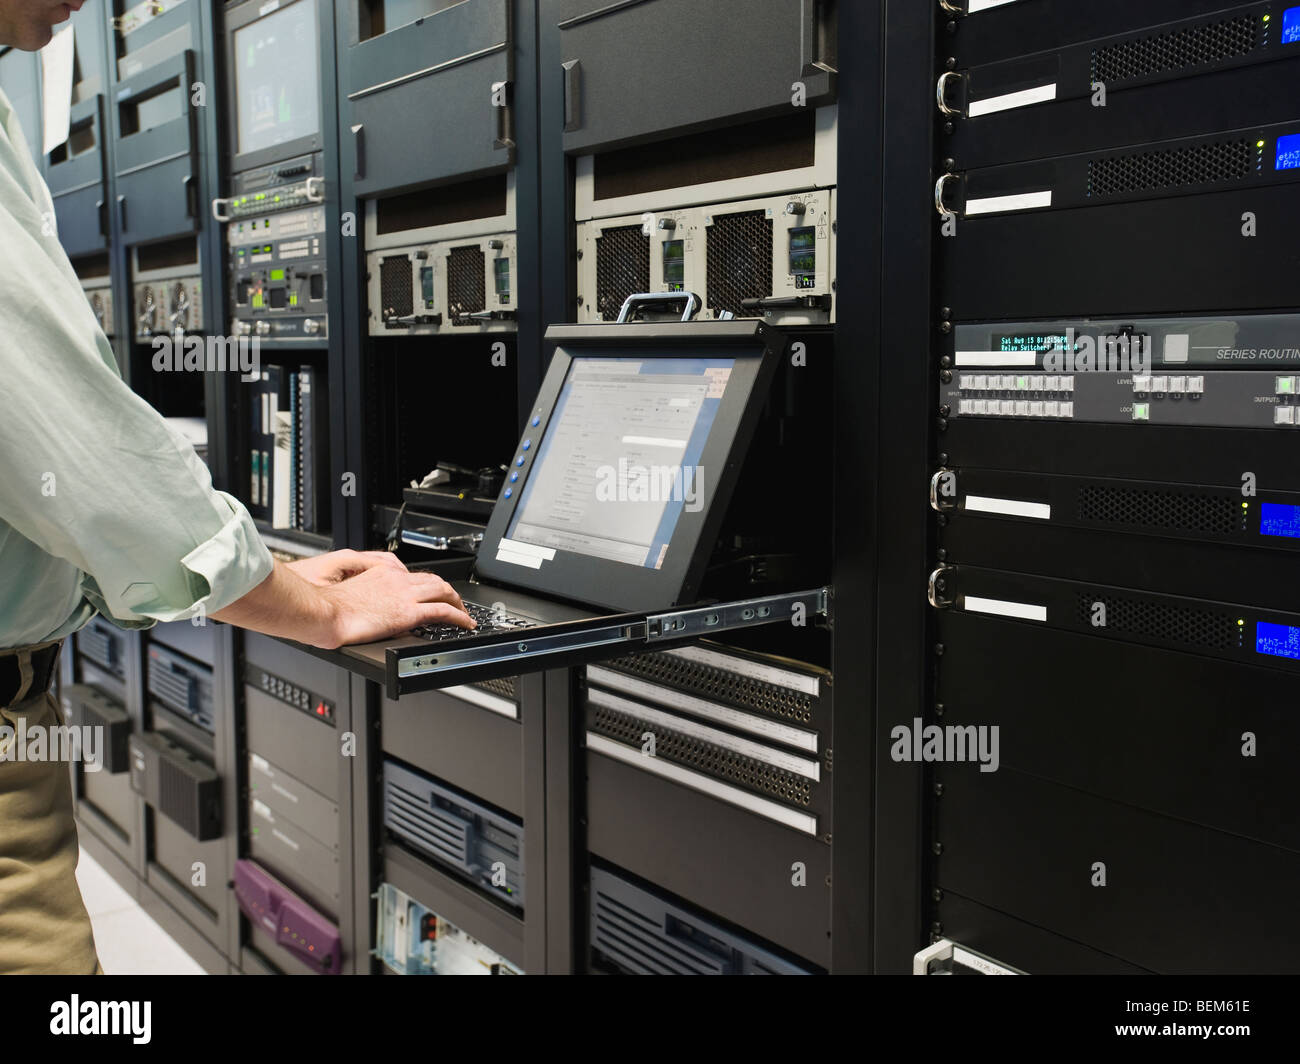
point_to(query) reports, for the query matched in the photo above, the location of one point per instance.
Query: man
(103, 507)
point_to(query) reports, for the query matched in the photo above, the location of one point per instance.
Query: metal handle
(937, 502)
(632, 302)
(219, 211)
(947, 950)
(810, 22)
(310, 190)
(121, 212)
(502, 139)
(951, 8)
(941, 94)
(934, 593)
(939, 188)
(359, 145)
(191, 196)
(572, 95)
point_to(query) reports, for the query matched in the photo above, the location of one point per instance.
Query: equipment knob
(311, 326)
(263, 328)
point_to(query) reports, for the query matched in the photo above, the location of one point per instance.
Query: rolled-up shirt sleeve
(91, 473)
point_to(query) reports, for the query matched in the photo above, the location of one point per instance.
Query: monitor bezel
(612, 585)
(237, 19)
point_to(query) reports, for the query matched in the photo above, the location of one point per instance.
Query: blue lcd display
(1291, 25)
(1288, 152)
(1276, 519)
(1279, 640)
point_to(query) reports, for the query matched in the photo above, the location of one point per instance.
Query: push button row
(1014, 408)
(1011, 382)
(1147, 385)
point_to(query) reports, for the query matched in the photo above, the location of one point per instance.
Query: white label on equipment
(1025, 201)
(997, 358)
(1024, 610)
(1176, 347)
(1010, 507)
(974, 7)
(1008, 101)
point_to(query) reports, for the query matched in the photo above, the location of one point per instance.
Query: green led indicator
(1022, 383)
(277, 275)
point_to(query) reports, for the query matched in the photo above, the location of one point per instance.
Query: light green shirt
(103, 505)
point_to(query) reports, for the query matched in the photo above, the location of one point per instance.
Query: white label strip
(484, 699)
(789, 762)
(1024, 610)
(515, 546)
(769, 729)
(997, 358)
(1026, 201)
(1011, 507)
(974, 7)
(527, 560)
(1009, 101)
(734, 795)
(981, 964)
(808, 685)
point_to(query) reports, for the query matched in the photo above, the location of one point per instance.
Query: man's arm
(380, 601)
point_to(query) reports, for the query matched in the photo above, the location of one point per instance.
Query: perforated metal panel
(395, 287)
(1171, 624)
(705, 757)
(1184, 511)
(466, 280)
(1191, 47)
(622, 268)
(739, 260)
(1200, 164)
(505, 687)
(709, 682)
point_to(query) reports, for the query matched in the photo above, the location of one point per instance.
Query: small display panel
(803, 256)
(1027, 343)
(501, 275)
(1277, 640)
(277, 78)
(426, 286)
(1288, 151)
(620, 461)
(1277, 519)
(1291, 25)
(675, 265)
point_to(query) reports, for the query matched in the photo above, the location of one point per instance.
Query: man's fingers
(431, 587)
(443, 613)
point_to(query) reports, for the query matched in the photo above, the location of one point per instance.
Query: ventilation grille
(705, 757)
(638, 943)
(708, 682)
(622, 268)
(178, 797)
(395, 287)
(1201, 164)
(505, 687)
(466, 278)
(1186, 512)
(427, 827)
(1168, 624)
(100, 648)
(739, 259)
(1192, 47)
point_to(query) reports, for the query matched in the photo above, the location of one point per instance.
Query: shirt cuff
(220, 570)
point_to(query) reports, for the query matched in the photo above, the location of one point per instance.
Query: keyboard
(489, 620)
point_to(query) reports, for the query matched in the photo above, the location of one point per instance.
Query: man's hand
(382, 599)
(326, 569)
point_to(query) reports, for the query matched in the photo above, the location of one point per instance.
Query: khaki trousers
(44, 927)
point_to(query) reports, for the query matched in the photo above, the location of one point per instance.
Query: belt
(18, 683)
